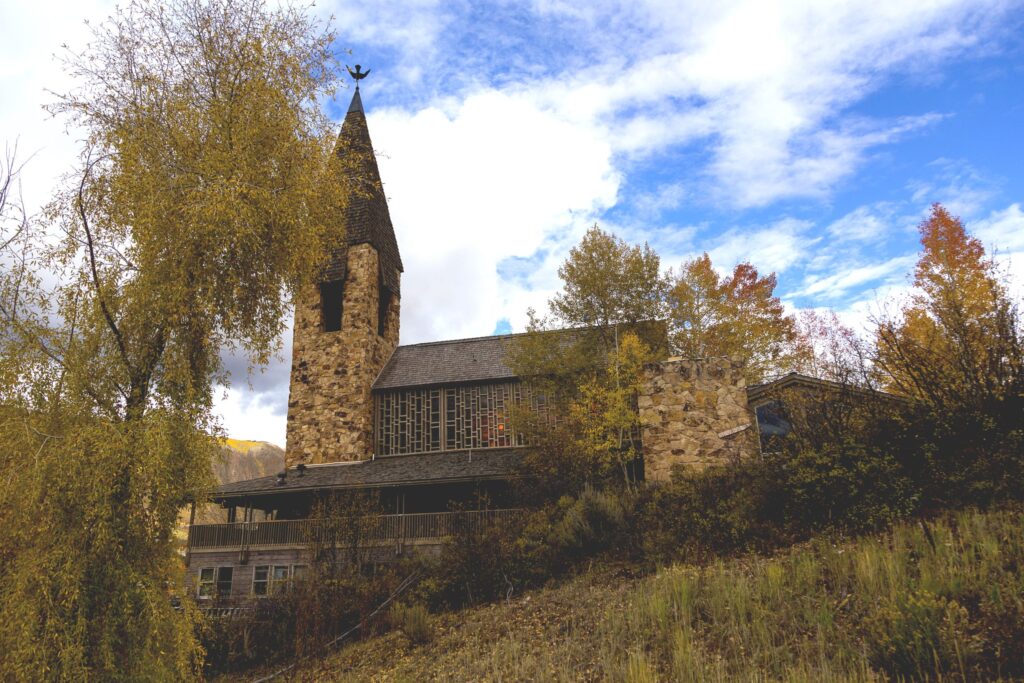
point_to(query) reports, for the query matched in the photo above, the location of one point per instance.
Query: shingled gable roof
(757, 392)
(367, 219)
(457, 361)
(478, 359)
(403, 470)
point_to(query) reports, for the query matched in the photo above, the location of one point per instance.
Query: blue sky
(808, 138)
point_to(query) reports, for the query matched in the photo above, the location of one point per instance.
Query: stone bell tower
(346, 328)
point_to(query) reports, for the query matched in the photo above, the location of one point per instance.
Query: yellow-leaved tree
(955, 350)
(736, 316)
(206, 192)
(602, 415)
(956, 338)
(585, 361)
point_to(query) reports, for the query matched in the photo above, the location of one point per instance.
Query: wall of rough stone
(694, 413)
(330, 408)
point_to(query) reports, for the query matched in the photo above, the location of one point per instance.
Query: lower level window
(269, 579)
(772, 425)
(215, 582)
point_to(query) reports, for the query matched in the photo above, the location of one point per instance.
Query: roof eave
(437, 385)
(253, 493)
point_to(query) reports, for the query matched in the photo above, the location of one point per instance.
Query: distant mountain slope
(240, 460)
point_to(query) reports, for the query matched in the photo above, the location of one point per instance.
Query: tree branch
(92, 266)
(41, 344)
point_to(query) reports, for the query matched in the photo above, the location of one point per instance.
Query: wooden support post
(188, 542)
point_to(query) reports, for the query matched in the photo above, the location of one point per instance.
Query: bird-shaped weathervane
(358, 75)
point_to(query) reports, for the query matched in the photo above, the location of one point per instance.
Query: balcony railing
(377, 529)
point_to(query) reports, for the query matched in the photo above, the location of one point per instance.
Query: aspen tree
(736, 316)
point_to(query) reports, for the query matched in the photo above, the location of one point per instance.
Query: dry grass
(889, 606)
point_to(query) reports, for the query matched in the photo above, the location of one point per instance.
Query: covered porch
(377, 530)
(269, 530)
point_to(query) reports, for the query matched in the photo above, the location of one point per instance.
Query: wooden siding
(246, 545)
(243, 567)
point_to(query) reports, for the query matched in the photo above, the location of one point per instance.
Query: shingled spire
(367, 219)
(347, 326)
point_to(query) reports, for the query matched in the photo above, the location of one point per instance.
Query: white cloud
(756, 171)
(664, 197)
(494, 179)
(1003, 234)
(244, 417)
(957, 185)
(862, 312)
(1002, 230)
(410, 27)
(33, 33)
(863, 224)
(765, 85)
(836, 285)
(772, 249)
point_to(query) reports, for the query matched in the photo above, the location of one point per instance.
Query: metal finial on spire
(357, 75)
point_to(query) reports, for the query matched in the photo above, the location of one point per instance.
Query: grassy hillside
(944, 601)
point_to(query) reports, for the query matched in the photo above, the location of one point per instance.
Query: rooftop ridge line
(441, 342)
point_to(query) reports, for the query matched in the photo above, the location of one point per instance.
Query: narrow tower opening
(330, 305)
(383, 304)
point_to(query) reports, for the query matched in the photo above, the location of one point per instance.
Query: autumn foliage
(737, 316)
(955, 351)
(206, 190)
(956, 340)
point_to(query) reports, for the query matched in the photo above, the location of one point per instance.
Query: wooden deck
(303, 532)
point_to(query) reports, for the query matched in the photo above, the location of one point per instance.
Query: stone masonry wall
(330, 407)
(694, 413)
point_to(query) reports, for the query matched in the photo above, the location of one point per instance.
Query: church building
(424, 426)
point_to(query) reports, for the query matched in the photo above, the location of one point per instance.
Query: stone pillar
(330, 406)
(694, 413)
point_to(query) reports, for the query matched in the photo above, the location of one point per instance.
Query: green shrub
(588, 525)
(921, 636)
(789, 496)
(973, 455)
(413, 621)
(479, 564)
(847, 486)
(699, 514)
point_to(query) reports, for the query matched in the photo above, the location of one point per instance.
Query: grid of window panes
(270, 579)
(449, 418)
(214, 582)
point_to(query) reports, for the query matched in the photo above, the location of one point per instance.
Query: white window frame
(212, 584)
(276, 584)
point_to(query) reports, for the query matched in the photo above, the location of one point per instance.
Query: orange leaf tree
(737, 315)
(955, 349)
(957, 339)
